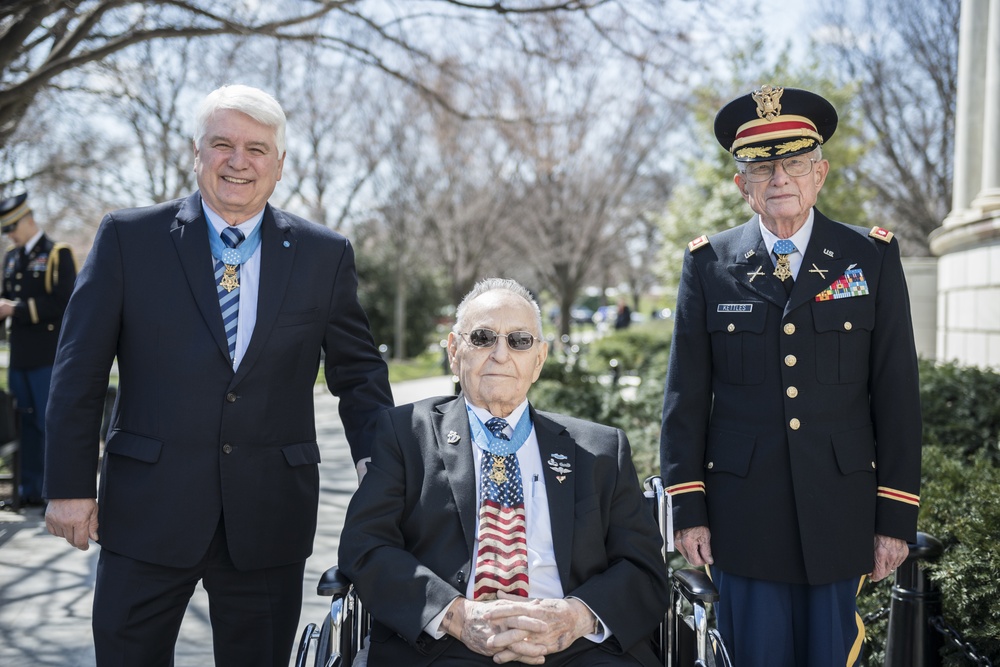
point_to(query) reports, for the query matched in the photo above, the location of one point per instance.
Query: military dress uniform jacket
(792, 428)
(41, 284)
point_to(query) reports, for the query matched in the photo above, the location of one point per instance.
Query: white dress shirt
(799, 238)
(543, 575)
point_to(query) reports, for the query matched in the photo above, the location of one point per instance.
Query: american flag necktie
(502, 556)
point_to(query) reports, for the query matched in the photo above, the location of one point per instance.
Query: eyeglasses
(486, 338)
(797, 165)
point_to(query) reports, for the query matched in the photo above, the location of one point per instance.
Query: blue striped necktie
(229, 295)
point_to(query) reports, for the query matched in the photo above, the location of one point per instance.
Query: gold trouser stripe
(859, 641)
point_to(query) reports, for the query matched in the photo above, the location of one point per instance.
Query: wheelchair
(683, 639)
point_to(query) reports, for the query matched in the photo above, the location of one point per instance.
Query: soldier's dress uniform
(792, 421)
(40, 280)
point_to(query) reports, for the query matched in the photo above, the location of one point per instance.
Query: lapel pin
(822, 272)
(453, 437)
(756, 272)
(559, 465)
(749, 253)
(827, 252)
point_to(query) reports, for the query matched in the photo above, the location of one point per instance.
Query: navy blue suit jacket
(191, 439)
(409, 539)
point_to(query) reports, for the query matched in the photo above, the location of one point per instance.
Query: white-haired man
(217, 308)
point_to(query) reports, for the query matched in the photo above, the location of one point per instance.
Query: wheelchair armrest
(334, 583)
(695, 585)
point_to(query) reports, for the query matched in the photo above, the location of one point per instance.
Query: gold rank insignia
(883, 235)
(699, 242)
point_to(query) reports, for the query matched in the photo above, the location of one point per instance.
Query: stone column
(968, 243)
(989, 196)
(969, 108)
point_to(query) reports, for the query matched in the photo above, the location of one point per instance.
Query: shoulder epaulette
(699, 242)
(883, 235)
(52, 266)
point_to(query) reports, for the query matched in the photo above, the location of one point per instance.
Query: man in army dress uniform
(791, 431)
(37, 282)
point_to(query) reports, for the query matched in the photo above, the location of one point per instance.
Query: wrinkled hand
(74, 519)
(695, 544)
(470, 622)
(563, 622)
(6, 308)
(890, 552)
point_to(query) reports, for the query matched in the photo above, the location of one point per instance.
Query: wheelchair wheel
(323, 648)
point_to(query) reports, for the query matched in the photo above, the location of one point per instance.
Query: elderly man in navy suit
(487, 531)
(218, 308)
(791, 427)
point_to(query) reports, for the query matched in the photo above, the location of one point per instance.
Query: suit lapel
(822, 263)
(752, 267)
(190, 236)
(454, 441)
(277, 257)
(558, 453)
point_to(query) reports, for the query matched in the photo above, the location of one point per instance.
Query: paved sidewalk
(46, 586)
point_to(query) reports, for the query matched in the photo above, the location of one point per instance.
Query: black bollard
(911, 641)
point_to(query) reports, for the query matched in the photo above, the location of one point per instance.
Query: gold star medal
(783, 270)
(499, 472)
(230, 279)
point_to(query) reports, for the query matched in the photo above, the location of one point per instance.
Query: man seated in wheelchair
(486, 531)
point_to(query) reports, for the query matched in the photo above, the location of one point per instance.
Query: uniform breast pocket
(737, 331)
(843, 338)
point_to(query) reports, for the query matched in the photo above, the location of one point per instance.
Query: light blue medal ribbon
(234, 256)
(488, 442)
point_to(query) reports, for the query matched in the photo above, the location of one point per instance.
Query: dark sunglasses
(9, 228)
(516, 340)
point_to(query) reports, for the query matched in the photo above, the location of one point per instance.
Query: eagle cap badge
(768, 101)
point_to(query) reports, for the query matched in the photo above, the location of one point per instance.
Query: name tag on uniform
(734, 308)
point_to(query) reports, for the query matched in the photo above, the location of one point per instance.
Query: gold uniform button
(847, 326)
(19, 275)
(873, 465)
(790, 360)
(17, 288)
(794, 424)
(791, 392)
(227, 448)
(731, 328)
(789, 328)
(51, 327)
(710, 465)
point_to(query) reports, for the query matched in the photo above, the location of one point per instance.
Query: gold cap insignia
(767, 99)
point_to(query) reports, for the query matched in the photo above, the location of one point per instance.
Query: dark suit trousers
(138, 608)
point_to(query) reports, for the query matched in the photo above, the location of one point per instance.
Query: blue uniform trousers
(30, 387)
(773, 624)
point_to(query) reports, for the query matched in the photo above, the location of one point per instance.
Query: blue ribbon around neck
(488, 442)
(234, 256)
